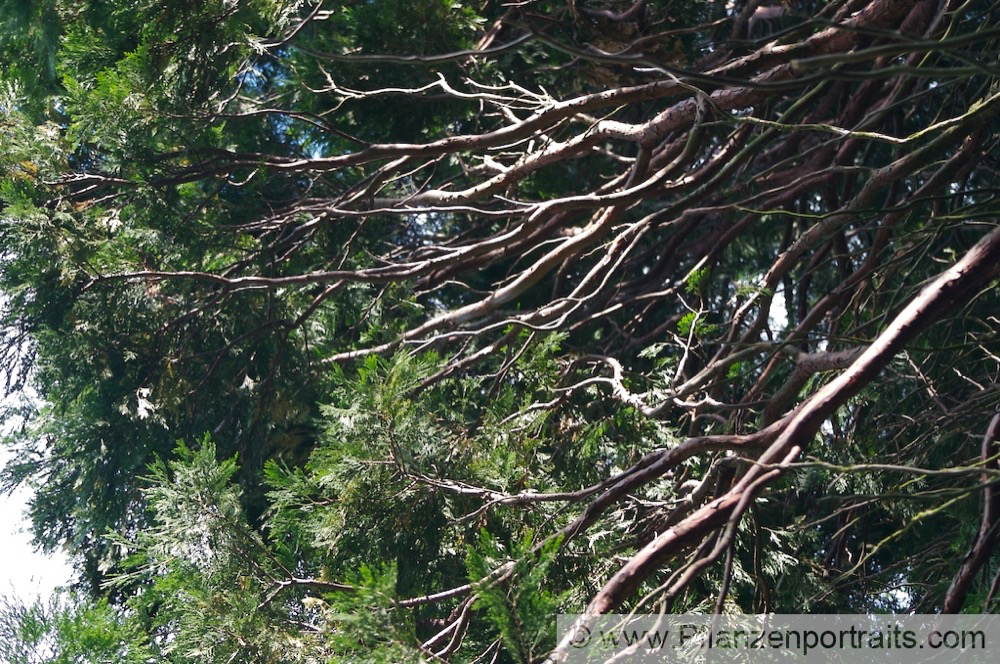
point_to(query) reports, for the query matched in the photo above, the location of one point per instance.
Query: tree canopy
(388, 331)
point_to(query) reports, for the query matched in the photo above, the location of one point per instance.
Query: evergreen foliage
(389, 330)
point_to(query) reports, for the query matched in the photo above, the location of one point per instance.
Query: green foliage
(520, 608)
(203, 579)
(696, 280)
(202, 575)
(68, 629)
(693, 323)
(238, 225)
(363, 625)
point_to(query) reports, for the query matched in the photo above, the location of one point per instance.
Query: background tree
(502, 310)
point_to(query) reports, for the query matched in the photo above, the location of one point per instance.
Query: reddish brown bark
(949, 291)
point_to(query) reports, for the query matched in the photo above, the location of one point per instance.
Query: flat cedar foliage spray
(387, 331)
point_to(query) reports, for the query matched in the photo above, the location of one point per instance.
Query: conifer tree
(388, 331)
